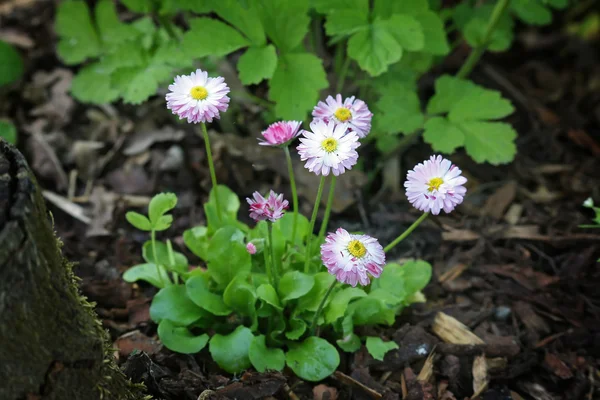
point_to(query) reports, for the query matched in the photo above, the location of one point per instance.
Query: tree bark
(52, 345)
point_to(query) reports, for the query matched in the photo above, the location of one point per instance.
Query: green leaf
(296, 84)
(448, 91)
(159, 205)
(180, 339)
(229, 204)
(374, 48)
(331, 6)
(147, 272)
(140, 6)
(112, 31)
(377, 347)
(346, 21)
(256, 64)
(492, 142)
(311, 300)
(179, 262)
(478, 103)
(285, 21)
(245, 17)
(197, 6)
(227, 256)
(11, 64)
(8, 132)
(78, 40)
(268, 294)
(231, 351)
(196, 239)
(264, 358)
(295, 284)
(501, 37)
(434, 34)
(400, 110)
(208, 36)
(417, 275)
(286, 225)
(442, 135)
(379, 307)
(172, 303)
(296, 329)
(198, 291)
(241, 296)
(92, 85)
(136, 84)
(350, 343)
(339, 303)
(139, 221)
(313, 360)
(384, 8)
(531, 11)
(407, 31)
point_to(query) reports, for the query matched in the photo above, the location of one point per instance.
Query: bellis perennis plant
(273, 293)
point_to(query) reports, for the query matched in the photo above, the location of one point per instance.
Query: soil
(511, 263)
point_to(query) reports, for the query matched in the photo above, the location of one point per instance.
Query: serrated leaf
(475, 25)
(8, 132)
(385, 8)
(374, 48)
(346, 21)
(256, 64)
(11, 64)
(492, 142)
(244, 17)
(92, 85)
(208, 36)
(125, 54)
(407, 31)
(531, 11)
(285, 21)
(296, 84)
(136, 84)
(435, 38)
(377, 347)
(78, 41)
(197, 6)
(112, 31)
(478, 103)
(442, 135)
(330, 6)
(400, 110)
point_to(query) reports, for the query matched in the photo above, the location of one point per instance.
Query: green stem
(211, 167)
(274, 270)
(294, 192)
(313, 218)
(343, 73)
(477, 52)
(328, 208)
(313, 325)
(158, 271)
(406, 232)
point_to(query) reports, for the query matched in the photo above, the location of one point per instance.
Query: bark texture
(52, 345)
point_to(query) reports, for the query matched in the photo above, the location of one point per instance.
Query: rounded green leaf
(350, 343)
(172, 303)
(8, 132)
(339, 302)
(311, 300)
(180, 339)
(231, 351)
(417, 275)
(139, 221)
(295, 284)
(297, 329)
(159, 205)
(179, 263)
(268, 294)
(198, 291)
(196, 239)
(227, 256)
(264, 358)
(313, 360)
(377, 347)
(11, 66)
(147, 272)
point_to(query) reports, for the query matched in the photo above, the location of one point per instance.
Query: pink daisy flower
(434, 185)
(351, 257)
(271, 208)
(329, 147)
(198, 97)
(353, 112)
(280, 133)
(251, 248)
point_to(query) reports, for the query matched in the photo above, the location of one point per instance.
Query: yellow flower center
(342, 114)
(198, 93)
(435, 183)
(356, 248)
(329, 145)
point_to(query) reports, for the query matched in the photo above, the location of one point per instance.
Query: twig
(74, 210)
(351, 381)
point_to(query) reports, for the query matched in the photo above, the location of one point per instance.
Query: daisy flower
(351, 257)
(435, 184)
(352, 111)
(251, 248)
(329, 147)
(280, 133)
(198, 97)
(271, 208)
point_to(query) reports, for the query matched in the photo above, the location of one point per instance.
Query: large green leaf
(492, 142)
(374, 48)
(285, 21)
(257, 63)
(180, 339)
(245, 16)
(295, 284)
(227, 256)
(78, 40)
(231, 351)
(11, 65)
(264, 358)
(208, 36)
(92, 85)
(172, 303)
(199, 292)
(313, 360)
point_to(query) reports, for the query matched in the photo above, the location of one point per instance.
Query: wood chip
(450, 330)
(480, 376)
(427, 371)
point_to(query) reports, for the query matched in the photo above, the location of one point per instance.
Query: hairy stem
(406, 232)
(211, 167)
(328, 208)
(290, 166)
(313, 218)
(315, 320)
(274, 270)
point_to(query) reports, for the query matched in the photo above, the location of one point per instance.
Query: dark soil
(511, 263)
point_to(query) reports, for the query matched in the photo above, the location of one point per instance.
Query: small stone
(502, 313)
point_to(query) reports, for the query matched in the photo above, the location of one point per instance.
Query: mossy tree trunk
(52, 346)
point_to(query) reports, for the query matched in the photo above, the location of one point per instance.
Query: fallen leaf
(557, 366)
(136, 340)
(499, 201)
(143, 139)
